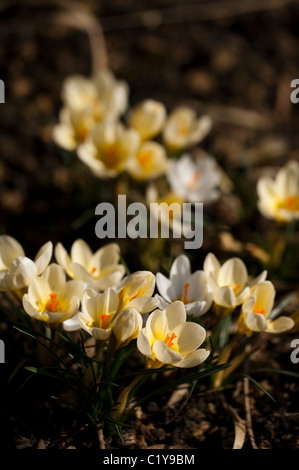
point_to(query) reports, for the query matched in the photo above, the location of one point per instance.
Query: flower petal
(164, 354)
(43, 257)
(193, 359)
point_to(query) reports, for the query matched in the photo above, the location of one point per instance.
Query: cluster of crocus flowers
(86, 102)
(279, 196)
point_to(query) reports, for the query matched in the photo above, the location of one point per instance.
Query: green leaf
(259, 386)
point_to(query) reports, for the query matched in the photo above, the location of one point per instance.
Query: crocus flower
(168, 339)
(127, 326)
(256, 310)
(108, 149)
(191, 289)
(279, 197)
(16, 269)
(194, 180)
(98, 312)
(148, 118)
(136, 291)
(149, 162)
(98, 270)
(230, 282)
(183, 129)
(51, 298)
(73, 128)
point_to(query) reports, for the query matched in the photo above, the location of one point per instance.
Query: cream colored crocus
(136, 290)
(168, 339)
(126, 327)
(98, 312)
(279, 197)
(16, 269)
(256, 312)
(230, 282)
(191, 288)
(73, 128)
(51, 298)
(102, 96)
(109, 148)
(184, 129)
(148, 118)
(100, 269)
(149, 162)
(194, 180)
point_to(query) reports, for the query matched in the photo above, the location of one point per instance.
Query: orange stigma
(53, 303)
(195, 177)
(93, 270)
(105, 319)
(237, 286)
(184, 298)
(169, 339)
(292, 202)
(143, 158)
(258, 309)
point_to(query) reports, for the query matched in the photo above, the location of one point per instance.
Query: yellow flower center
(82, 134)
(143, 158)
(193, 181)
(237, 286)
(93, 270)
(169, 339)
(104, 320)
(52, 304)
(292, 203)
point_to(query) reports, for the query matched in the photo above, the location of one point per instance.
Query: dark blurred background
(232, 59)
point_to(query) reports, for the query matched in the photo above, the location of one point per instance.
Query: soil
(234, 61)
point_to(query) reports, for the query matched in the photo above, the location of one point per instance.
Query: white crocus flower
(149, 162)
(127, 326)
(98, 312)
(148, 118)
(183, 129)
(136, 290)
(16, 269)
(230, 282)
(168, 339)
(109, 148)
(98, 270)
(51, 298)
(191, 289)
(279, 197)
(73, 128)
(194, 180)
(256, 312)
(112, 95)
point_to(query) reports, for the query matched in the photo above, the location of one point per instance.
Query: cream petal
(39, 291)
(64, 136)
(189, 336)
(43, 257)
(254, 321)
(90, 303)
(55, 276)
(81, 253)
(110, 276)
(143, 344)
(225, 297)
(211, 264)
(22, 271)
(29, 308)
(164, 354)
(233, 272)
(193, 359)
(127, 325)
(198, 308)
(10, 249)
(197, 289)
(179, 272)
(156, 325)
(73, 289)
(72, 324)
(63, 258)
(165, 287)
(175, 314)
(260, 278)
(106, 256)
(144, 304)
(243, 296)
(280, 325)
(81, 273)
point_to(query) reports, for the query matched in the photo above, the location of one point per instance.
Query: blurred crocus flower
(136, 291)
(194, 180)
(168, 339)
(148, 118)
(108, 149)
(16, 269)
(279, 197)
(73, 128)
(191, 289)
(149, 162)
(256, 312)
(183, 129)
(230, 282)
(98, 270)
(98, 312)
(102, 96)
(51, 298)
